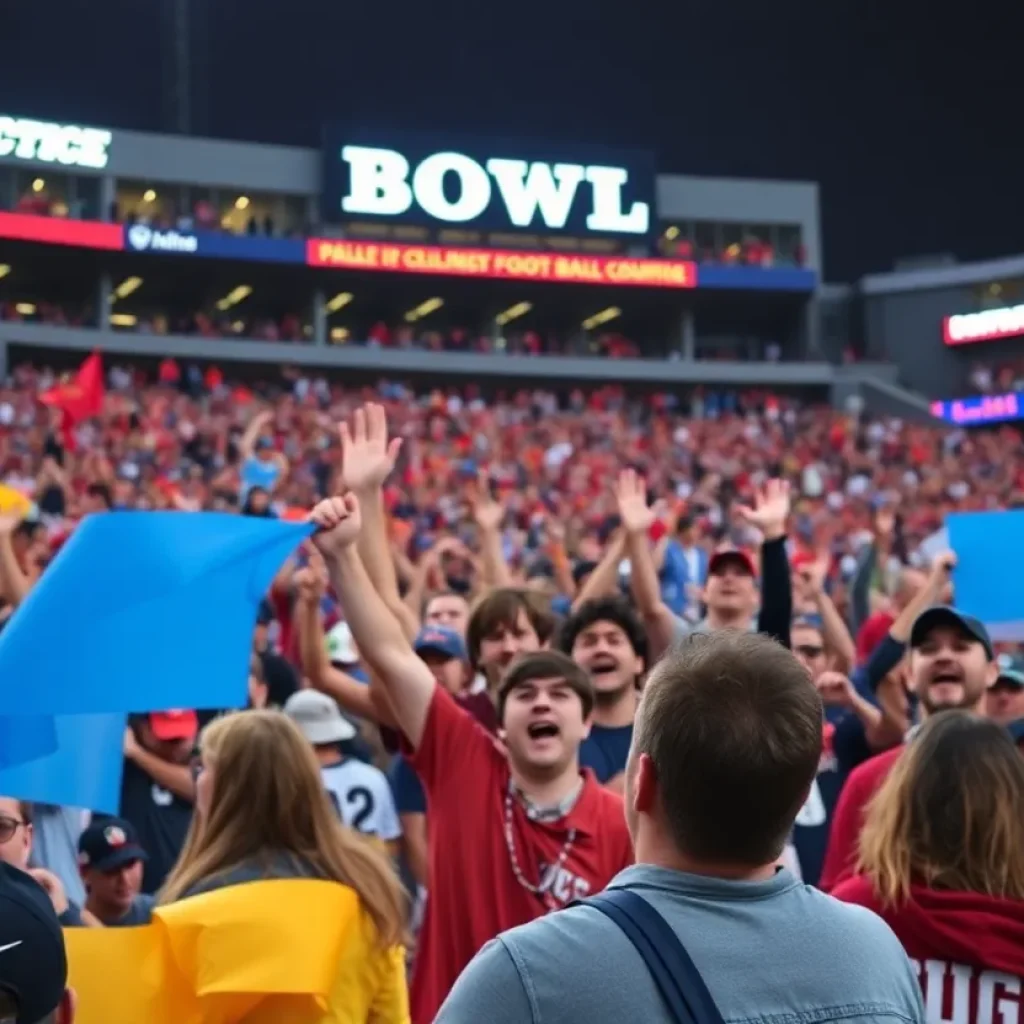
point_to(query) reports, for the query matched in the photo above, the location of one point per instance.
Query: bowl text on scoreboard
(454, 188)
(48, 143)
(500, 263)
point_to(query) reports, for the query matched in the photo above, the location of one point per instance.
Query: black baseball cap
(1011, 673)
(33, 964)
(944, 615)
(108, 844)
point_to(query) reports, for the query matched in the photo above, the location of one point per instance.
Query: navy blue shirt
(410, 797)
(605, 750)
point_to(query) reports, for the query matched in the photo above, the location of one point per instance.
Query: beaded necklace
(541, 891)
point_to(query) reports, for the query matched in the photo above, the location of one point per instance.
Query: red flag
(79, 399)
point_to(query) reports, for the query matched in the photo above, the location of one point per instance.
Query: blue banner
(978, 409)
(989, 550)
(216, 244)
(756, 279)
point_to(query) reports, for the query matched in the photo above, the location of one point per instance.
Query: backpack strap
(673, 971)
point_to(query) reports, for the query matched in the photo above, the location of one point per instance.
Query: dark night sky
(911, 125)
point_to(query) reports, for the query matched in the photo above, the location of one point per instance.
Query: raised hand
(488, 513)
(338, 522)
(367, 456)
(835, 689)
(770, 511)
(631, 497)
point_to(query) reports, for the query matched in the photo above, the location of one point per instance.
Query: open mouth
(542, 730)
(947, 678)
(603, 668)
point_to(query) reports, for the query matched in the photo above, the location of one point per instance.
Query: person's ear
(66, 1010)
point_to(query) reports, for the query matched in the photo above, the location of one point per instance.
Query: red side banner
(86, 234)
(509, 264)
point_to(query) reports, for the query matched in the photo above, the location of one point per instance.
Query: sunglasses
(8, 826)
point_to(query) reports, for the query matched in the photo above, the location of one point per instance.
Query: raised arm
(663, 628)
(367, 459)
(349, 693)
(382, 642)
(247, 442)
(489, 515)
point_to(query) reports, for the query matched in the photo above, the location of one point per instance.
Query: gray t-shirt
(770, 952)
(272, 865)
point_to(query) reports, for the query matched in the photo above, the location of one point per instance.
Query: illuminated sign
(501, 264)
(486, 184)
(86, 234)
(142, 238)
(978, 409)
(988, 325)
(535, 195)
(48, 143)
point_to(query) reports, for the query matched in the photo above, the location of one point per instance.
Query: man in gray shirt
(725, 748)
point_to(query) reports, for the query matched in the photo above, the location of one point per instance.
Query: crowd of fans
(493, 579)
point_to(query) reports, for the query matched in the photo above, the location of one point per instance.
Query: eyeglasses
(810, 652)
(8, 826)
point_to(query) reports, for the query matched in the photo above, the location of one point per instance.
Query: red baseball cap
(737, 555)
(174, 725)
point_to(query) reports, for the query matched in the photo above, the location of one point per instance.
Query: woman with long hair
(942, 861)
(262, 813)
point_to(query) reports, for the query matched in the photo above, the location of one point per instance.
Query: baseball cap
(318, 718)
(108, 844)
(944, 615)
(441, 640)
(33, 964)
(734, 555)
(341, 648)
(174, 725)
(1011, 673)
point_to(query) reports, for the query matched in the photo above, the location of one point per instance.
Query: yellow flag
(289, 950)
(12, 502)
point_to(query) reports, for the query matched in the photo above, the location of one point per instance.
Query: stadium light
(122, 320)
(5, 269)
(512, 313)
(25, 309)
(601, 317)
(423, 309)
(234, 297)
(127, 286)
(38, 185)
(149, 196)
(339, 301)
(242, 203)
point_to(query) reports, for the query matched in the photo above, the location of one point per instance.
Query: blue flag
(26, 738)
(989, 570)
(144, 611)
(84, 771)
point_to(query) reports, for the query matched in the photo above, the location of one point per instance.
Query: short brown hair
(733, 726)
(500, 608)
(545, 665)
(950, 814)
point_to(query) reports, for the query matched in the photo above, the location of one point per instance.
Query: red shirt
(848, 818)
(967, 949)
(473, 893)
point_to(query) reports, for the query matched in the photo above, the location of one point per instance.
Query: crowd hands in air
(503, 641)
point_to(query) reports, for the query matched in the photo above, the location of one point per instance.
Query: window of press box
(276, 216)
(46, 194)
(996, 294)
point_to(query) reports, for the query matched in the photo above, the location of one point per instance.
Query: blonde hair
(950, 815)
(269, 799)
